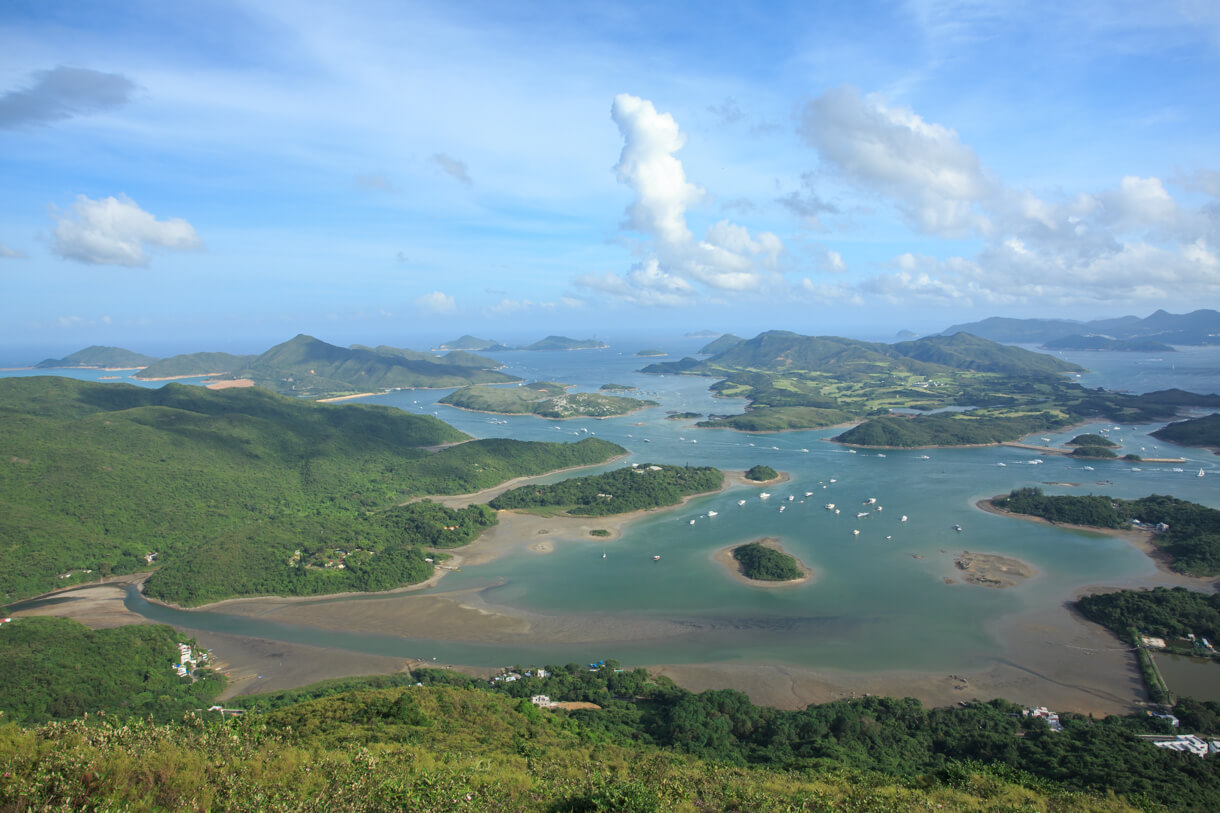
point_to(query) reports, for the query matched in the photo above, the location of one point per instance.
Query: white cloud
(452, 167)
(115, 231)
(728, 257)
(10, 253)
(935, 181)
(437, 302)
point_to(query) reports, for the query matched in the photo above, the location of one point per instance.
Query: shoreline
(725, 558)
(1138, 539)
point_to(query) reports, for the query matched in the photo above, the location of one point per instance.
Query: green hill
(192, 364)
(96, 476)
(634, 488)
(474, 343)
(305, 366)
(99, 356)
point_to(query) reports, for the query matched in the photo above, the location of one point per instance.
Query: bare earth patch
(992, 570)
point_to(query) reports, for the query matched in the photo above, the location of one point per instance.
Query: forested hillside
(96, 478)
(634, 488)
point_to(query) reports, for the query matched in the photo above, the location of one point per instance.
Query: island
(223, 493)
(639, 487)
(761, 474)
(564, 343)
(1185, 534)
(764, 563)
(682, 416)
(651, 353)
(474, 344)
(617, 388)
(546, 399)
(99, 357)
(935, 391)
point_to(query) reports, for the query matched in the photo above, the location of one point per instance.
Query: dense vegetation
(761, 473)
(720, 344)
(443, 748)
(1168, 613)
(612, 387)
(634, 488)
(765, 564)
(893, 737)
(97, 476)
(468, 342)
(545, 399)
(651, 352)
(945, 430)
(1092, 440)
(192, 364)
(1096, 452)
(54, 668)
(1203, 431)
(779, 419)
(1192, 539)
(367, 553)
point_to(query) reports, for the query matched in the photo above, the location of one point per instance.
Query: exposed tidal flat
(878, 619)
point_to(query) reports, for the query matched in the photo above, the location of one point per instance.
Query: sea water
(878, 599)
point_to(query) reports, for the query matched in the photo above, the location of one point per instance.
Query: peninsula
(545, 399)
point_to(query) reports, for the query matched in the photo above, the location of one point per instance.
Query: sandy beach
(228, 383)
(724, 558)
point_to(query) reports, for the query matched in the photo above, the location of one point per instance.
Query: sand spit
(992, 570)
(724, 557)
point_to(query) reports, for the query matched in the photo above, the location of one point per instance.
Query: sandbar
(346, 397)
(724, 557)
(992, 570)
(229, 383)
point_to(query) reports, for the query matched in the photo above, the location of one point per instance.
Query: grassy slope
(441, 749)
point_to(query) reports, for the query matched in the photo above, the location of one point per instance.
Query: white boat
(957, 528)
(808, 493)
(692, 522)
(833, 480)
(880, 455)
(1200, 474)
(904, 518)
(1002, 465)
(603, 556)
(878, 507)
(870, 501)
(656, 558)
(791, 497)
(836, 510)
(713, 513)
(781, 508)
(1178, 470)
(741, 502)
(806, 451)
(924, 457)
(1136, 468)
(861, 514)
(1089, 468)
(830, 506)
(856, 532)
(764, 496)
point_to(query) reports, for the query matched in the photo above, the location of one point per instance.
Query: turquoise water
(878, 599)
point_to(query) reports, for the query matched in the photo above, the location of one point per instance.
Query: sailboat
(1200, 474)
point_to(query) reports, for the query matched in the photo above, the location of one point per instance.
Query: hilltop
(99, 356)
(545, 399)
(473, 343)
(564, 343)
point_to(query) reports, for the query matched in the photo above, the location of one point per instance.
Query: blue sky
(225, 175)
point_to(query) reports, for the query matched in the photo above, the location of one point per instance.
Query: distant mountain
(469, 342)
(1199, 327)
(780, 351)
(459, 358)
(564, 343)
(192, 364)
(99, 356)
(720, 345)
(702, 334)
(306, 366)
